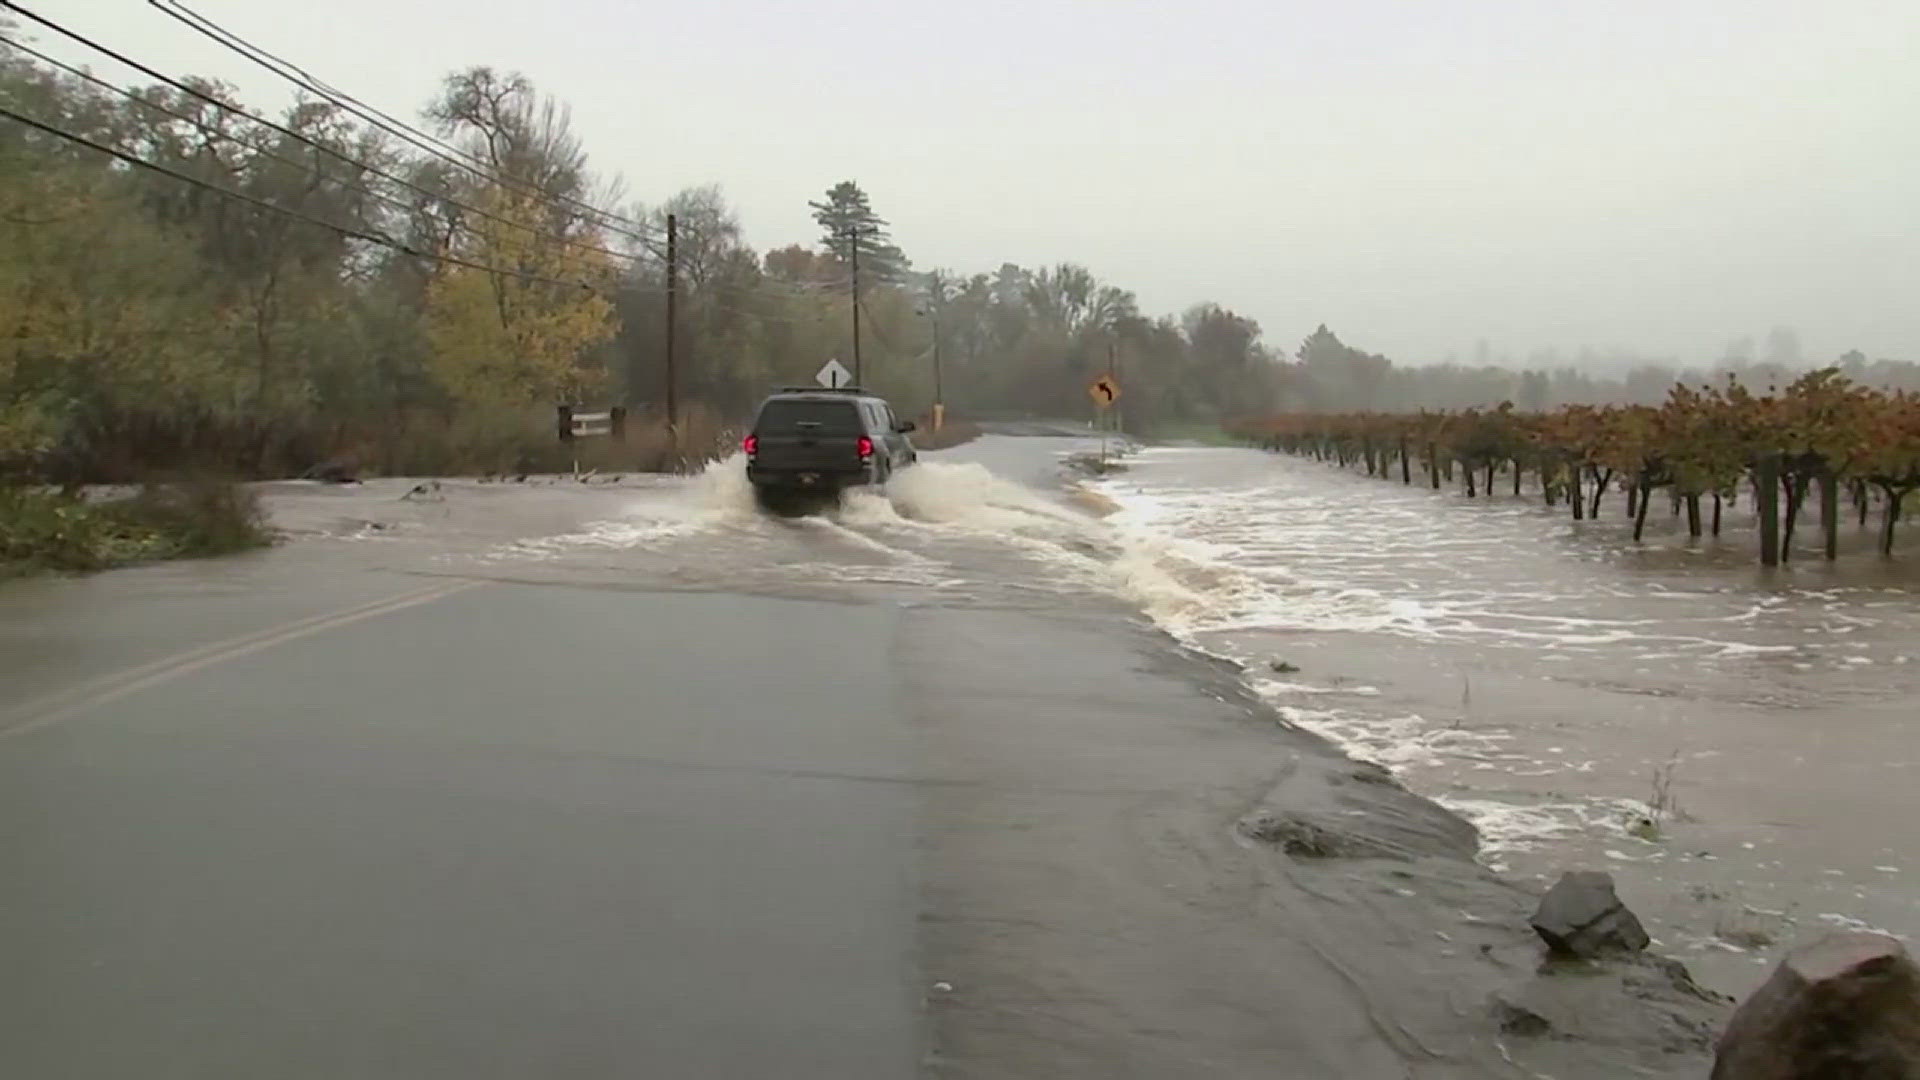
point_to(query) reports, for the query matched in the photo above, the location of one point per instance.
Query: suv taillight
(751, 444)
(866, 447)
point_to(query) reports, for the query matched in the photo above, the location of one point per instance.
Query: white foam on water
(1848, 922)
(839, 527)
(1275, 688)
(1278, 549)
(861, 507)
(638, 530)
(720, 492)
(1180, 586)
(926, 575)
(1512, 827)
(970, 496)
(1397, 741)
(1328, 562)
(1731, 649)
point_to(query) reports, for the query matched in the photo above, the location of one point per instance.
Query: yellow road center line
(92, 686)
(54, 708)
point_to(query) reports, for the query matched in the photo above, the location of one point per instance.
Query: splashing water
(1531, 675)
(1538, 678)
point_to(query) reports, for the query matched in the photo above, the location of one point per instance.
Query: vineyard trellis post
(1766, 503)
(1830, 513)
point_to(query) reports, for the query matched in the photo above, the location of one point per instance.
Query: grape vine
(1823, 433)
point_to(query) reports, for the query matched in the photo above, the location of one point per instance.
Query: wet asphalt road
(334, 810)
(501, 831)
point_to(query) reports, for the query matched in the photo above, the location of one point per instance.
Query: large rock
(1582, 916)
(1847, 1006)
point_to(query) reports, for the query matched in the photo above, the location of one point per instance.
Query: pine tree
(847, 223)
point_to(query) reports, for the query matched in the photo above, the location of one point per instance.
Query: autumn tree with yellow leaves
(526, 333)
(527, 329)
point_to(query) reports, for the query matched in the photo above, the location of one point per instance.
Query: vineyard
(1823, 435)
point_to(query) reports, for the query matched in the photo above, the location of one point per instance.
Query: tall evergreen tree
(848, 223)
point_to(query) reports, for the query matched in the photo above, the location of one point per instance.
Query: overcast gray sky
(1662, 175)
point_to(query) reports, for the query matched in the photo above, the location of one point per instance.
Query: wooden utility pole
(1113, 373)
(939, 391)
(673, 281)
(853, 249)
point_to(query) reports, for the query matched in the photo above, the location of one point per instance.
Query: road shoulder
(1095, 905)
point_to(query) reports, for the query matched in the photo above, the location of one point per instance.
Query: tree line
(1823, 433)
(1331, 375)
(185, 279)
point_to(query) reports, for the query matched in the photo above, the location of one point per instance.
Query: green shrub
(127, 447)
(42, 530)
(193, 519)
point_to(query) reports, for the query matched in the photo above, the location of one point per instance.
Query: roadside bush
(43, 530)
(525, 441)
(128, 447)
(704, 437)
(193, 519)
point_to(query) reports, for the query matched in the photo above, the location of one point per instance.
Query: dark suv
(817, 441)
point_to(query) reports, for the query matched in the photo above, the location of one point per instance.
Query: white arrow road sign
(833, 376)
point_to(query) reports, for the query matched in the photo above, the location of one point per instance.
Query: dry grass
(522, 442)
(1663, 808)
(952, 433)
(132, 448)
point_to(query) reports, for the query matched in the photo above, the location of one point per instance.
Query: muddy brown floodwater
(1104, 845)
(1737, 746)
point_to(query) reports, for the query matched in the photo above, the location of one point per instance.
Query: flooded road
(1024, 792)
(498, 780)
(1739, 748)
(985, 526)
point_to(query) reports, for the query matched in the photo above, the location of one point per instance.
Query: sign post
(833, 375)
(1104, 392)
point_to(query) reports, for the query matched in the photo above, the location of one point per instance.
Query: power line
(796, 290)
(886, 342)
(767, 285)
(81, 73)
(786, 289)
(372, 115)
(371, 237)
(235, 110)
(393, 126)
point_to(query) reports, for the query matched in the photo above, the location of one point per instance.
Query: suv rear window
(825, 417)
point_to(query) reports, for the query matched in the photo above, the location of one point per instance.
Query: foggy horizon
(1656, 179)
